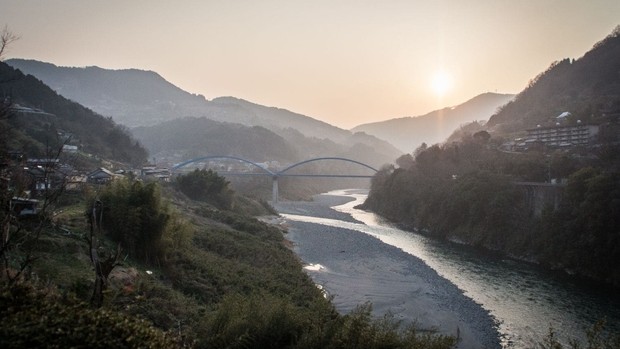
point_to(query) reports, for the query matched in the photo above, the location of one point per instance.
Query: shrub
(32, 318)
(208, 186)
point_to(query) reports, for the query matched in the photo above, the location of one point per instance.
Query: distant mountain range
(408, 133)
(143, 98)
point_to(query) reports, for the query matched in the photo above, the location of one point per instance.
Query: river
(524, 300)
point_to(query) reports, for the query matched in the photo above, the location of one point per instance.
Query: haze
(343, 62)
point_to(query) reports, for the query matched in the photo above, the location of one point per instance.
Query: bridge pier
(542, 195)
(274, 189)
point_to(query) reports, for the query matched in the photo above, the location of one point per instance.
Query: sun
(441, 83)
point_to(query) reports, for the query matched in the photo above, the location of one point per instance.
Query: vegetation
(202, 273)
(467, 192)
(38, 318)
(6, 38)
(194, 137)
(208, 186)
(596, 339)
(187, 138)
(201, 277)
(167, 272)
(133, 214)
(589, 88)
(33, 131)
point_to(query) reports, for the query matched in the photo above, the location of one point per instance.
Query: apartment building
(564, 135)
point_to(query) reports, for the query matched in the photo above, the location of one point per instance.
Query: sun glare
(441, 83)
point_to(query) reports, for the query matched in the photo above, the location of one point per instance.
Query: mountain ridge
(588, 88)
(409, 132)
(92, 132)
(111, 96)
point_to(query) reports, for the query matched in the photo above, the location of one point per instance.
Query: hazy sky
(346, 62)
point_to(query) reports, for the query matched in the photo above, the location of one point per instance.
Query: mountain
(408, 133)
(238, 110)
(186, 138)
(39, 119)
(131, 97)
(181, 139)
(143, 98)
(588, 88)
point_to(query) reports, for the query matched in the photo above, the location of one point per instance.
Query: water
(524, 299)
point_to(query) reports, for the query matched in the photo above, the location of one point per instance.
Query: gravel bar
(356, 268)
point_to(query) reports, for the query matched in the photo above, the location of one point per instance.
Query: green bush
(32, 318)
(207, 186)
(263, 321)
(596, 338)
(134, 215)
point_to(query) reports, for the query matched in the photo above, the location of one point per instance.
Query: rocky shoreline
(355, 268)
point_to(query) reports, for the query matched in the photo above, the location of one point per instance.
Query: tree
(208, 186)
(103, 266)
(135, 216)
(420, 150)
(19, 235)
(405, 161)
(6, 38)
(482, 137)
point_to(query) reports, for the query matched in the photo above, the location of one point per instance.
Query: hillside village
(30, 179)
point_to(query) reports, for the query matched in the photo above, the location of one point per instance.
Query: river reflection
(524, 299)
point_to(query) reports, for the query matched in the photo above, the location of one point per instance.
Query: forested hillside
(469, 193)
(194, 137)
(132, 97)
(558, 206)
(40, 119)
(588, 88)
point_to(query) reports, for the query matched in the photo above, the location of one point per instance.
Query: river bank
(356, 268)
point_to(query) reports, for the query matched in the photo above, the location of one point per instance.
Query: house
(101, 176)
(45, 163)
(70, 148)
(159, 174)
(43, 174)
(75, 182)
(24, 206)
(40, 179)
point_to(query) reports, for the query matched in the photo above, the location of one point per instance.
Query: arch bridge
(281, 173)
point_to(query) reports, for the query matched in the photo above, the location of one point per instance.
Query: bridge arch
(214, 157)
(282, 172)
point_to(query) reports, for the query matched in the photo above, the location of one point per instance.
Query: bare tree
(103, 264)
(6, 38)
